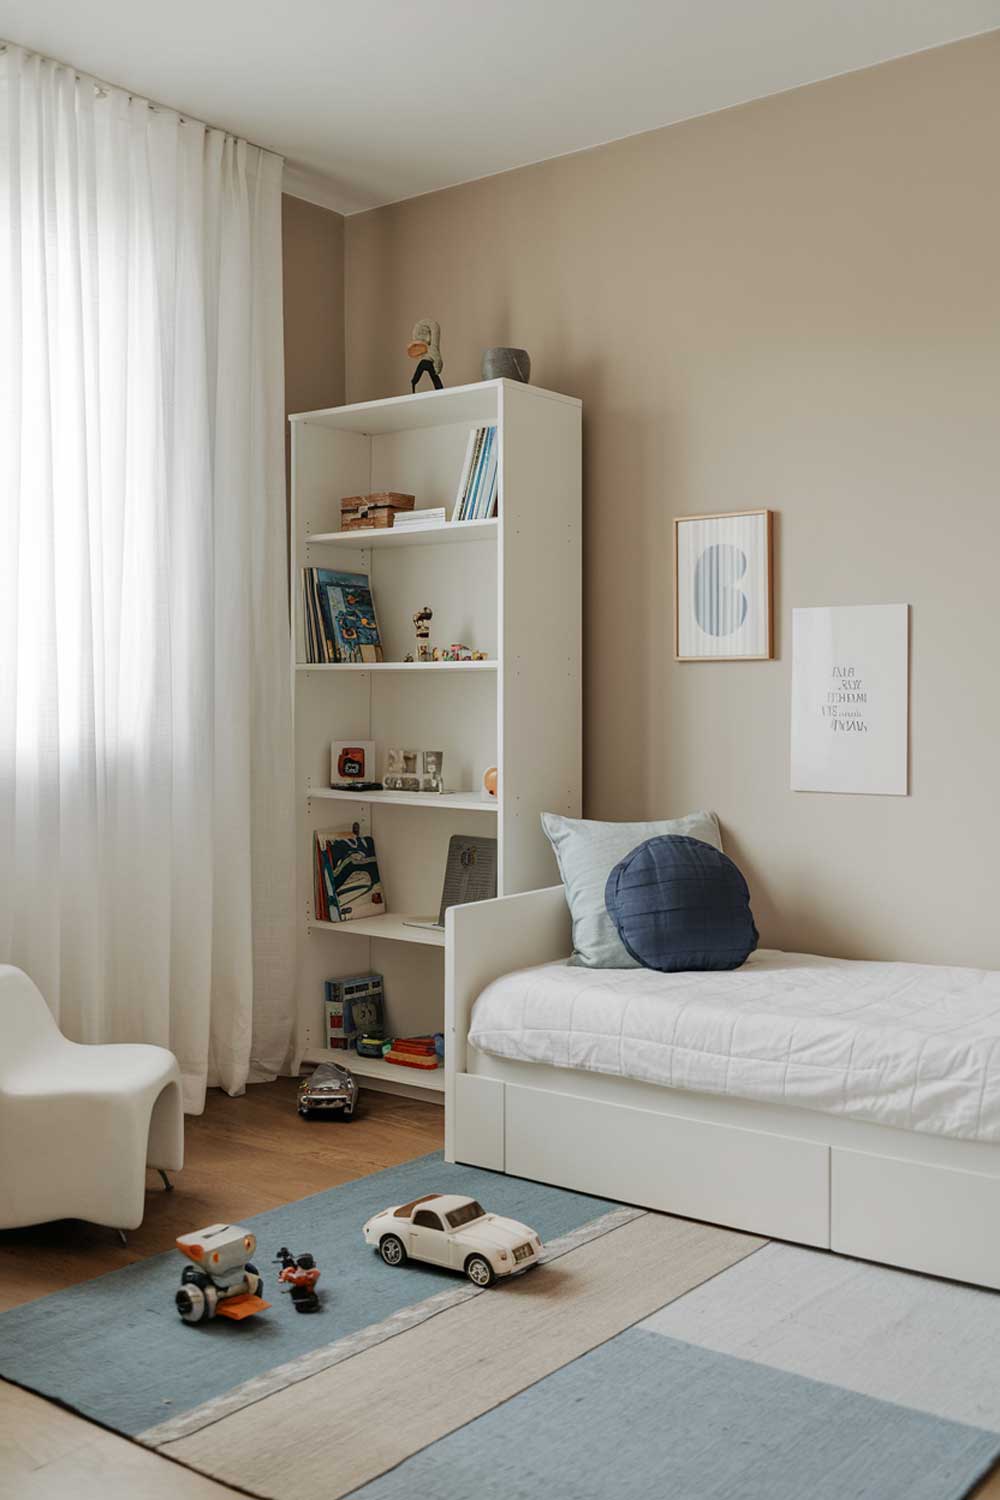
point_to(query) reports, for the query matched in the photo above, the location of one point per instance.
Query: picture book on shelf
(346, 880)
(339, 617)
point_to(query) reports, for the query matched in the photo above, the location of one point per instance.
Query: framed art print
(722, 587)
(850, 699)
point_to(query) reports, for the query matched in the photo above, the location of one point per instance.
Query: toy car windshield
(465, 1215)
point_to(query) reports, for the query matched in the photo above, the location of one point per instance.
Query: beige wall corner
(792, 304)
(313, 251)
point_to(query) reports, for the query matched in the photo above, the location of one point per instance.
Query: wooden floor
(244, 1156)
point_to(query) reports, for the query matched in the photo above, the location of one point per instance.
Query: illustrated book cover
(339, 619)
(346, 880)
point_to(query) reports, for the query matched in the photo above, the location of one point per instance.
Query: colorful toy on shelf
(449, 1230)
(413, 1052)
(330, 1088)
(351, 1006)
(372, 1046)
(299, 1275)
(458, 652)
(221, 1282)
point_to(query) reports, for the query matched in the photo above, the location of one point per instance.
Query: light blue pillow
(586, 853)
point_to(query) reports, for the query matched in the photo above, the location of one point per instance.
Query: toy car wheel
(392, 1250)
(346, 1114)
(479, 1271)
(191, 1276)
(195, 1303)
(253, 1276)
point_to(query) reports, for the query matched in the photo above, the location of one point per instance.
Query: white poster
(850, 699)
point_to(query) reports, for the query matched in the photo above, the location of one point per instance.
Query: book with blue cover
(339, 617)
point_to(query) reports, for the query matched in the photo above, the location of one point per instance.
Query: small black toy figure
(425, 346)
(299, 1276)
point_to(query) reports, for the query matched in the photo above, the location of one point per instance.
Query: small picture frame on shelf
(722, 587)
(414, 770)
(352, 760)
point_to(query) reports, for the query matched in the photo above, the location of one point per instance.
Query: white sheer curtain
(145, 765)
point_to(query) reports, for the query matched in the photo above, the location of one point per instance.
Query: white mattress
(905, 1045)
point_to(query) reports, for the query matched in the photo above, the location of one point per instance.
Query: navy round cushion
(679, 904)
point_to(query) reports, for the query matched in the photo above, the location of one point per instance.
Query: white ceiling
(377, 100)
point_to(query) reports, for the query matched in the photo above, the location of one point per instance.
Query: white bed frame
(919, 1201)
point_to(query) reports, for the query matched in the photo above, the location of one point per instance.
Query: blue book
(480, 472)
(349, 616)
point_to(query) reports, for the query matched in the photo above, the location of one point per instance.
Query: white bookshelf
(511, 587)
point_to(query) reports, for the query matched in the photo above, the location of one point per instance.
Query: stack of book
(419, 520)
(413, 1052)
(339, 617)
(476, 499)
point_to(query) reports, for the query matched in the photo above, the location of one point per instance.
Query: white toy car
(448, 1230)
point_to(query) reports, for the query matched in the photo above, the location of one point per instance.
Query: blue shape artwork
(719, 607)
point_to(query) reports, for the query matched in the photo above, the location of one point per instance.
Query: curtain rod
(102, 88)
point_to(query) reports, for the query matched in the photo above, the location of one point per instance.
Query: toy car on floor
(221, 1282)
(330, 1087)
(447, 1229)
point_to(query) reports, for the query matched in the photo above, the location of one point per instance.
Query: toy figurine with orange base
(221, 1282)
(299, 1276)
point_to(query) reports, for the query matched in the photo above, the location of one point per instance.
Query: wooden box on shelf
(373, 512)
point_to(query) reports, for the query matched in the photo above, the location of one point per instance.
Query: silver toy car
(329, 1087)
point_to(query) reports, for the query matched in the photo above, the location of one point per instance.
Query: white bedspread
(906, 1045)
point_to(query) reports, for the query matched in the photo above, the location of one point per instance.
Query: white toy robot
(222, 1282)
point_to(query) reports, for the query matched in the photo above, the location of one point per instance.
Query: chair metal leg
(167, 1184)
(122, 1236)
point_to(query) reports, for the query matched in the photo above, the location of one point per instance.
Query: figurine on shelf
(458, 652)
(425, 346)
(299, 1275)
(422, 625)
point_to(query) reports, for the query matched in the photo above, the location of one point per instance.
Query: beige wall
(313, 253)
(793, 304)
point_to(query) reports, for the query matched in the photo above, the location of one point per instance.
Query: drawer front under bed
(768, 1184)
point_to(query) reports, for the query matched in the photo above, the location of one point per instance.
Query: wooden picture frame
(724, 586)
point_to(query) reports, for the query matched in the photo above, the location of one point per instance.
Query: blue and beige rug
(648, 1356)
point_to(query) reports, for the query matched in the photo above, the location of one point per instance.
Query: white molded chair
(79, 1124)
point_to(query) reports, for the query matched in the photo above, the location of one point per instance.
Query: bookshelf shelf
(424, 536)
(509, 586)
(389, 928)
(431, 801)
(376, 1067)
(396, 666)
